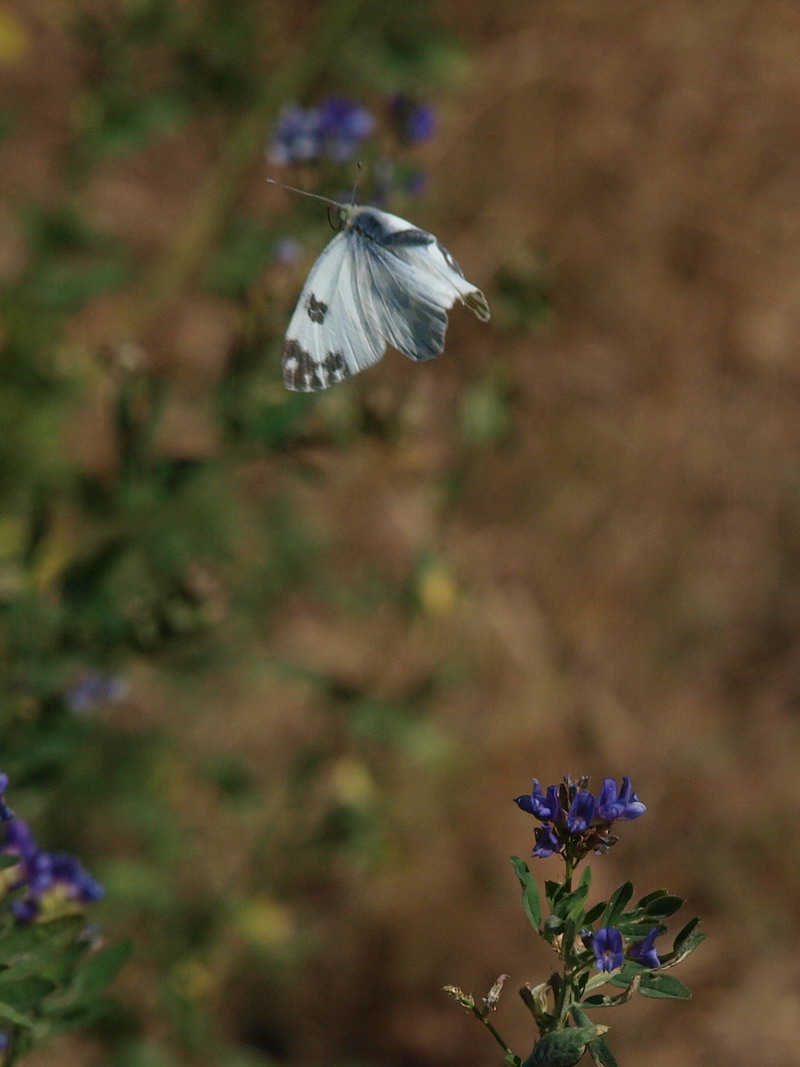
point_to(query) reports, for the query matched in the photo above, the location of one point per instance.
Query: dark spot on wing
(476, 302)
(303, 374)
(316, 309)
(335, 367)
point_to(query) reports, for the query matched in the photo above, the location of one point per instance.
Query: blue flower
(334, 131)
(608, 949)
(414, 122)
(343, 126)
(644, 952)
(546, 809)
(546, 842)
(49, 878)
(633, 806)
(19, 841)
(6, 814)
(581, 812)
(296, 138)
(59, 870)
(93, 688)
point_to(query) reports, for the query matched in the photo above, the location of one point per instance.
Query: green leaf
(663, 907)
(530, 892)
(90, 980)
(624, 978)
(601, 1053)
(598, 1048)
(11, 1015)
(685, 934)
(553, 891)
(649, 897)
(594, 913)
(25, 994)
(617, 904)
(28, 949)
(685, 942)
(663, 987)
(573, 903)
(563, 1048)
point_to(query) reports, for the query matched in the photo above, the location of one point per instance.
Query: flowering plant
(47, 983)
(611, 937)
(337, 128)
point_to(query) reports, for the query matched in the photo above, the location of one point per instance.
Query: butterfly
(380, 281)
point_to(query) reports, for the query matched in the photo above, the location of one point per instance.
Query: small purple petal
(633, 806)
(581, 813)
(644, 952)
(544, 808)
(546, 842)
(608, 949)
(19, 841)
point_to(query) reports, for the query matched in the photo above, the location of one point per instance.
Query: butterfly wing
(332, 333)
(411, 281)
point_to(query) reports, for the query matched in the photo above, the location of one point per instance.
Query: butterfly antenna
(302, 192)
(355, 184)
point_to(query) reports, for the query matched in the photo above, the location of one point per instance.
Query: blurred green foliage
(154, 562)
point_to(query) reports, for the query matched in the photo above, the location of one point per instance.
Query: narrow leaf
(663, 907)
(617, 904)
(595, 912)
(601, 1053)
(530, 892)
(90, 980)
(573, 903)
(648, 898)
(686, 941)
(663, 987)
(11, 1015)
(25, 994)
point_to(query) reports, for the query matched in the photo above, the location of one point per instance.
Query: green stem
(479, 1015)
(569, 867)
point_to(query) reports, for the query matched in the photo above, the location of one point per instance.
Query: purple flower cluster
(608, 947)
(574, 822)
(332, 131)
(52, 881)
(335, 129)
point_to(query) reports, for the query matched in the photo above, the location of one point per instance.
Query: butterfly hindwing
(411, 319)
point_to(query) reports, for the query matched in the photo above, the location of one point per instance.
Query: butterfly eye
(337, 225)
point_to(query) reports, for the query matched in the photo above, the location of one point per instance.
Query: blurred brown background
(571, 548)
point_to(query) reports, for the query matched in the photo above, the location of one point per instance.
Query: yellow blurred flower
(352, 783)
(265, 922)
(14, 39)
(193, 979)
(437, 590)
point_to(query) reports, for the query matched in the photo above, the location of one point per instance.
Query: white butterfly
(380, 281)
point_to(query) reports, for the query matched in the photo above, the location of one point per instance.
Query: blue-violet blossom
(644, 952)
(608, 948)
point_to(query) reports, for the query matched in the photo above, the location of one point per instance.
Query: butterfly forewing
(328, 337)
